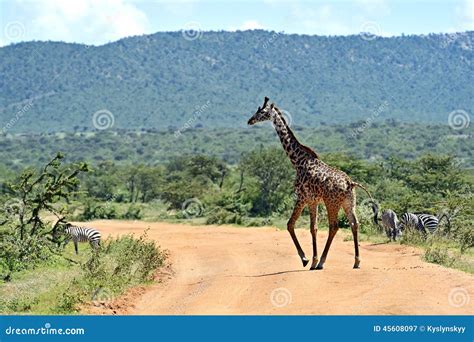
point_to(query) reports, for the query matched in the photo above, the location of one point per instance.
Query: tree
(272, 179)
(26, 236)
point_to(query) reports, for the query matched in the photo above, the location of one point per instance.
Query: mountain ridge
(161, 80)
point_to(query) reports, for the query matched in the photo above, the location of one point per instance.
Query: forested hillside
(151, 147)
(164, 80)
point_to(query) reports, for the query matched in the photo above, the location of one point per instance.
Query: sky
(98, 22)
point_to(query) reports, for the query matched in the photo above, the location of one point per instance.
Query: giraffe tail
(354, 184)
(375, 207)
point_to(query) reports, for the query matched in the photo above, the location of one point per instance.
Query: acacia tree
(34, 195)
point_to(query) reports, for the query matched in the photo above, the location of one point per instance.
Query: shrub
(98, 211)
(133, 213)
(223, 216)
(438, 255)
(413, 237)
(123, 261)
(119, 263)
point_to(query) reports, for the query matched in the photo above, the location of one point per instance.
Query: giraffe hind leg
(354, 223)
(333, 228)
(313, 215)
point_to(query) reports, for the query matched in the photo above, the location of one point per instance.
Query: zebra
(81, 234)
(389, 220)
(421, 222)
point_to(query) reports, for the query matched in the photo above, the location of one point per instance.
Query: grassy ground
(60, 285)
(30, 291)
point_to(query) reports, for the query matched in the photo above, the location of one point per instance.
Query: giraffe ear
(272, 106)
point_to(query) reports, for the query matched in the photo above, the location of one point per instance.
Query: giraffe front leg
(291, 229)
(313, 215)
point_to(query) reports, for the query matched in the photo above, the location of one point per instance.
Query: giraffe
(315, 182)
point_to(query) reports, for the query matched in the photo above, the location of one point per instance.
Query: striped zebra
(390, 223)
(81, 234)
(421, 222)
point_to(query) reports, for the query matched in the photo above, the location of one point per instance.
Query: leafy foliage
(25, 237)
(376, 143)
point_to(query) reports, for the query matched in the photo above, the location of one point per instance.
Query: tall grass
(99, 276)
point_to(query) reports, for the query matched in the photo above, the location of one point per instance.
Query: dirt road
(227, 270)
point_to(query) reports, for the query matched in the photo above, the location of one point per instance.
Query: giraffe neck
(293, 148)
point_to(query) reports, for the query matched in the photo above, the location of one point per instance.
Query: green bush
(133, 213)
(94, 211)
(124, 260)
(223, 216)
(19, 254)
(438, 254)
(119, 263)
(23, 304)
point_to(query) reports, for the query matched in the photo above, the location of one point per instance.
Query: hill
(163, 81)
(152, 147)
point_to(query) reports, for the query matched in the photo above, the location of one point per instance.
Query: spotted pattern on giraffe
(316, 182)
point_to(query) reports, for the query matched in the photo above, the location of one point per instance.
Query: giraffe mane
(309, 150)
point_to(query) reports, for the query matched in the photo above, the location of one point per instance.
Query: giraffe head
(263, 113)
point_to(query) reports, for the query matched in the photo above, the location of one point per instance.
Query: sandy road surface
(227, 270)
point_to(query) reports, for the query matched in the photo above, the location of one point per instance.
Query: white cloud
(320, 21)
(251, 25)
(248, 25)
(329, 20)
(374, 7)
(89, 21)
(465, 14)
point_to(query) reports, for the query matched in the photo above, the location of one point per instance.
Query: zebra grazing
(389, 221)
(390, 224)
(82, 234)
(421, 222)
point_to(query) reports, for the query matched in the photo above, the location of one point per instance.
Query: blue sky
(101, 21)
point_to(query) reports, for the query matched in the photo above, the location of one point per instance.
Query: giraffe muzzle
(251, 122)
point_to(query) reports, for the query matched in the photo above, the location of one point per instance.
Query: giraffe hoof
(305, 261)
(319, 267)
(356, 266)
